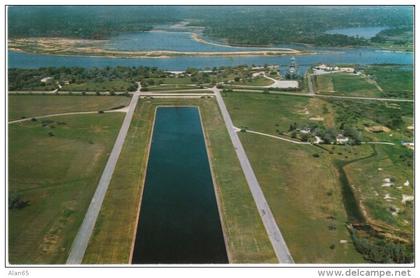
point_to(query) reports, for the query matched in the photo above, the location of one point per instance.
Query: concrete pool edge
(133, 241)
(215, 188)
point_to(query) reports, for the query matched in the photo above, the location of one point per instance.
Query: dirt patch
(377, 129)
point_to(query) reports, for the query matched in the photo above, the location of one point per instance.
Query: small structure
(305, 130)
(46, 79)
(318, 140)
(341, 139)
(348, 70)
(409, 145)
(292, 71)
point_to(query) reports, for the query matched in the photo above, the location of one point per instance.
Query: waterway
(179, 219)
(362, 32)
(332, 56)
(183, 41)
(169, 41)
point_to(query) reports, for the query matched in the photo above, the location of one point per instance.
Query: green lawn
(257, 81)
(244, 231)
(34, 105)
(264, 112)
(303, 192)
(57, 175)
(170, 87)
(346, 84)
(361, 114)
(173, 80)
(324, 84)
(305, 197)
(396, 81)
(106, 85)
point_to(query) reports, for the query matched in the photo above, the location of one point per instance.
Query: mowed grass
(324, 84)
(304, 195)
(246, 237)
(346, 85)
(170, 87)
(34, 105)
(303, 192)
(257, 81)
(396, 81)
(264, 112)
(57, 175)
(105, 85)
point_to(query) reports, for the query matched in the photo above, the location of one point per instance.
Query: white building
(341, 139)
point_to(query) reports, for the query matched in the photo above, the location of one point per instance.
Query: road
(273, 231)
(81, 240)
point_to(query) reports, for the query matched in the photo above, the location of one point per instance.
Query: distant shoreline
(94, 48)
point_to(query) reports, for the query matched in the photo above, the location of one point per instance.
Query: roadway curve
(273, 231)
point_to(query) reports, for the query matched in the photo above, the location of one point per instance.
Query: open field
(395, 118)
(54, 165)
(30, 106)
(288, 172)
(256, 81)
(104, 85)
(170, 87)
(381, 198)
(247, 241)
(396, 81)
(271, 113)
(346, 84)
(305, 197)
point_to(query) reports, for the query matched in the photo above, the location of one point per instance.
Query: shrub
(16, 201)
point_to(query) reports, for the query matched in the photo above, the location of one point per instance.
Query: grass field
(305, 197)
(383, 203)
(397, 117)
(270, 113)
(396, 81)
(173, 87)
(106, 85)
(302, 183)
(257, 81)
(265, 113)
(303, 192)
(30, 106)
(54, 165)
(346, 84)
(113, 235)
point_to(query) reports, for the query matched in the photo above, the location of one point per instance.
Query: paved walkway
(124, 109)
(275, 137)
(273, 231)
(81, 240)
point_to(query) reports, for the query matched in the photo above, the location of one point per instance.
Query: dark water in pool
(179, 220)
